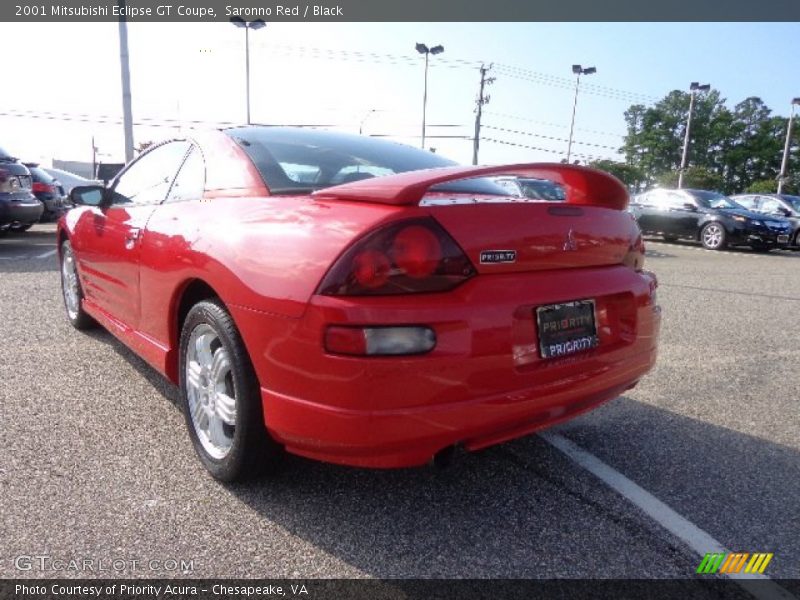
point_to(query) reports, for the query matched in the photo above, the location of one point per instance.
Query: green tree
(762, 186)
(700, 178)
(729, 150)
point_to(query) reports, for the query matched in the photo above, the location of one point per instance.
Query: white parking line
(760, 586)
(47, 254)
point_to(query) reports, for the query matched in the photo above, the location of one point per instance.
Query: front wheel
(19, 227)
(71, 290)
(221, 396)
(713, 236)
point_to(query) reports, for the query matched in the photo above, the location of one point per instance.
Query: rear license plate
(783, 239)
(566, 328)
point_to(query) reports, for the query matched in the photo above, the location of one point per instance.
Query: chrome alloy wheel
(211, 391)
(712, 236)
(69, 282)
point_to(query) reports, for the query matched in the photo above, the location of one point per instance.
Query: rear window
(300, 161)
(40, 175)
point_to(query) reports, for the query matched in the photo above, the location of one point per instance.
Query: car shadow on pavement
(522, 509)
(486, 514)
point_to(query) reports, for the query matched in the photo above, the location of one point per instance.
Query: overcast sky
(65, 81)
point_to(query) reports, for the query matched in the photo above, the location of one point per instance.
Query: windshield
(300, 161)
(713, 199)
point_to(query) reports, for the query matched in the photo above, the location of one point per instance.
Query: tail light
(44, 188)
(407, 257)
(634, 258)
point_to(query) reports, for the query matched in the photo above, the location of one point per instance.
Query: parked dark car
(49, 191)
(781, 205)
(711, 218)
(19, 208)
(537, 189)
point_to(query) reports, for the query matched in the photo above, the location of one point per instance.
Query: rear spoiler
(583, 186)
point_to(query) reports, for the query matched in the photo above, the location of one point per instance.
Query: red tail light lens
(407, 257)
(44, 188)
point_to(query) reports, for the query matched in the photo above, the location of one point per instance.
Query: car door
(659, 217)
(644, 211)
(110, 236)
(683, 214)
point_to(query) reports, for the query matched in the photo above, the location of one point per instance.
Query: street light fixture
(247, 26)
(578, 71)
(785, 162)
(423, 49)
(694, 87)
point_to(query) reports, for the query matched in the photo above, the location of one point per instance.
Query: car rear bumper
(20, 208)
(484, 382)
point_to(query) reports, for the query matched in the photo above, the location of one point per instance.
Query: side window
(676, 200)
(191, 180)
(748, 202)
(148, 179)
(657, 199)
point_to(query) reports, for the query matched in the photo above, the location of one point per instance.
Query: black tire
(670, 238)
(797, 240)
(77, 317)
(251, 449)
(19, 228)
(713, 236)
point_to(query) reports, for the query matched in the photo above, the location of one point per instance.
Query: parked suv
(781, 205)
(19, 208)
(49, 191)
(709, 217)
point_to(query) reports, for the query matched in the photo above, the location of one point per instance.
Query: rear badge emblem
(489, 257)
(570, 243)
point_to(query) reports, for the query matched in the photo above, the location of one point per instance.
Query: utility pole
(480, 102)
(693, 88)
(785, 161)
(577, 70)
(125, 74)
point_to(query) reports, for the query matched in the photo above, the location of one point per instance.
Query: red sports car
(358, 301)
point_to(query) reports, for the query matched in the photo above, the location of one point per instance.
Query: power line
(550, 137)
(550, 150)
(559, 125)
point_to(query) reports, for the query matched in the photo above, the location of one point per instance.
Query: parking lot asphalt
(97, 464)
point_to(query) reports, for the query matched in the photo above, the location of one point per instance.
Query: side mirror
(88, 195)
(689, 206)
(785, 212)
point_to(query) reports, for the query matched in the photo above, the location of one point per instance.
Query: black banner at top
(404, 10)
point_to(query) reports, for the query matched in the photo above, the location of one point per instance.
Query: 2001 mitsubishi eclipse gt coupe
(359, 301)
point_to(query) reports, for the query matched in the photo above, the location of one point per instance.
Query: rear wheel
(797, 239)
(713, 236)
(71, 290)
(19, 227)
(221, 396)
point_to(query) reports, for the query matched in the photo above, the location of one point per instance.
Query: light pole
(247, 26)
(785, 161)
(423, 49)
(364, 120)
(693, 89)
(578, 71)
